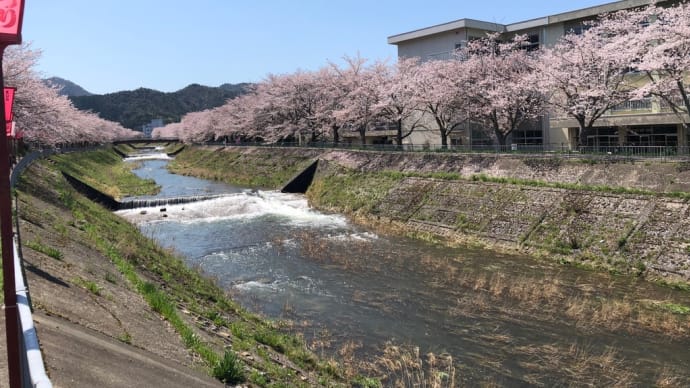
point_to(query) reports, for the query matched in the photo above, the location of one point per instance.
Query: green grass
(351, 191)
(46, 250)
(675, 308)
(244, 169)
(89, 285)
(104, 170)
(229, 369)
(576, 186)
(110, 278)
(125, 337)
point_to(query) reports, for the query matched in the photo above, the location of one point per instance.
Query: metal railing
(31, 361)
(564, 150)
(635, 106)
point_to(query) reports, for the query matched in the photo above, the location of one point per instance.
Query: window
(532, 43)
(657, 136)
(442, 56)
(576, 28)
(530, 132)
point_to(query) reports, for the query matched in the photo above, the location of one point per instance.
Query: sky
(107, 46)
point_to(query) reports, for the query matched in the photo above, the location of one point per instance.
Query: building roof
(532, 23)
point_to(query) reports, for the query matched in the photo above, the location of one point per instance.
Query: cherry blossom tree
(441, 92)
(501, 95)
(170, 131)
(660, 40)
(292, 102)
(45, 117)
(397, 102)
(583, 76)
(360, 96)
(327, 80)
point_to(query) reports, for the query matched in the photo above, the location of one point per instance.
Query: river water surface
(502, 319)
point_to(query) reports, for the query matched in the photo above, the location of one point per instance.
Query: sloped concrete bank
(621, 215)
(626, 233)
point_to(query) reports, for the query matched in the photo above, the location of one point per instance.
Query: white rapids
(245, 205)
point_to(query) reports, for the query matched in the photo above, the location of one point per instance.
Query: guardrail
(562, 150)
(31, 362)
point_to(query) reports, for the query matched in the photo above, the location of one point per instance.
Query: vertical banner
(9, 103)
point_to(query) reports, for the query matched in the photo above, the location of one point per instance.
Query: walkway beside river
(78, 357)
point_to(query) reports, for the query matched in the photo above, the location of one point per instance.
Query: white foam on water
(303, 284)
(293, 208)
(254, 285)
(158, 156)
(362, 236)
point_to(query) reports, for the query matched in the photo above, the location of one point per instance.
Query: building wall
(439, 44)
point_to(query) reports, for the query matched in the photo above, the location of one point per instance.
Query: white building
(643, 122)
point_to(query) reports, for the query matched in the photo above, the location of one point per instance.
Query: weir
(133, 203)
(136, 203)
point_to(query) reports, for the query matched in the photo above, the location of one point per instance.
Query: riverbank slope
(95, 275)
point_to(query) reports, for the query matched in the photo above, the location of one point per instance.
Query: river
(498, 319)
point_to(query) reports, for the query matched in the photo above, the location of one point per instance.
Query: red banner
(11, 12)
(9, 128)
(9, 102)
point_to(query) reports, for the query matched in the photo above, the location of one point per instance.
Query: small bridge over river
(138, 140)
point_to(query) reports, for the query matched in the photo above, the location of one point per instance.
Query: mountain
(67, 88)
(137, 107)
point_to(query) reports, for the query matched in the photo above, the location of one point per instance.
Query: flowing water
(503, 319)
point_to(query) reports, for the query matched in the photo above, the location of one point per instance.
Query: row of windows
(659, 136)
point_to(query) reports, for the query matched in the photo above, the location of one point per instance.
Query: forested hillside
(135, 108)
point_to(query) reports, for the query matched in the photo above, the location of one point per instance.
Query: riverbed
(469, 315)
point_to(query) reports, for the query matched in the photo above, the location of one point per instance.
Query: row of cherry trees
(42, 115)
(623, 56)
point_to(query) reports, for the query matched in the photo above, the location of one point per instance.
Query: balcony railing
(675, 101)
(635, 106)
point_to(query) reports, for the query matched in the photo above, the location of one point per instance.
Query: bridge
(140, 140)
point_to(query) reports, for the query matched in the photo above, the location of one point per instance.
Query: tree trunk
(582, 132)
(363, 135)
(500, 137)
(336, 134)
(444, 140)
(398, 135)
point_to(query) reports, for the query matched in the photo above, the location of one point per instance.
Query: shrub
(229, 369)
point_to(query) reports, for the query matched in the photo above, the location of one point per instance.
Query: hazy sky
(111, 45)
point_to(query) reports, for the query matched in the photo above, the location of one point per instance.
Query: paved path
(78, 357)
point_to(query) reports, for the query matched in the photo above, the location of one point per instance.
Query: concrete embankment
(621, 215)
(624, 216)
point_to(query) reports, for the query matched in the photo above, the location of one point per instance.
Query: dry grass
(667, 378)
(585, 306)
(404, 366)
(576, 365)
